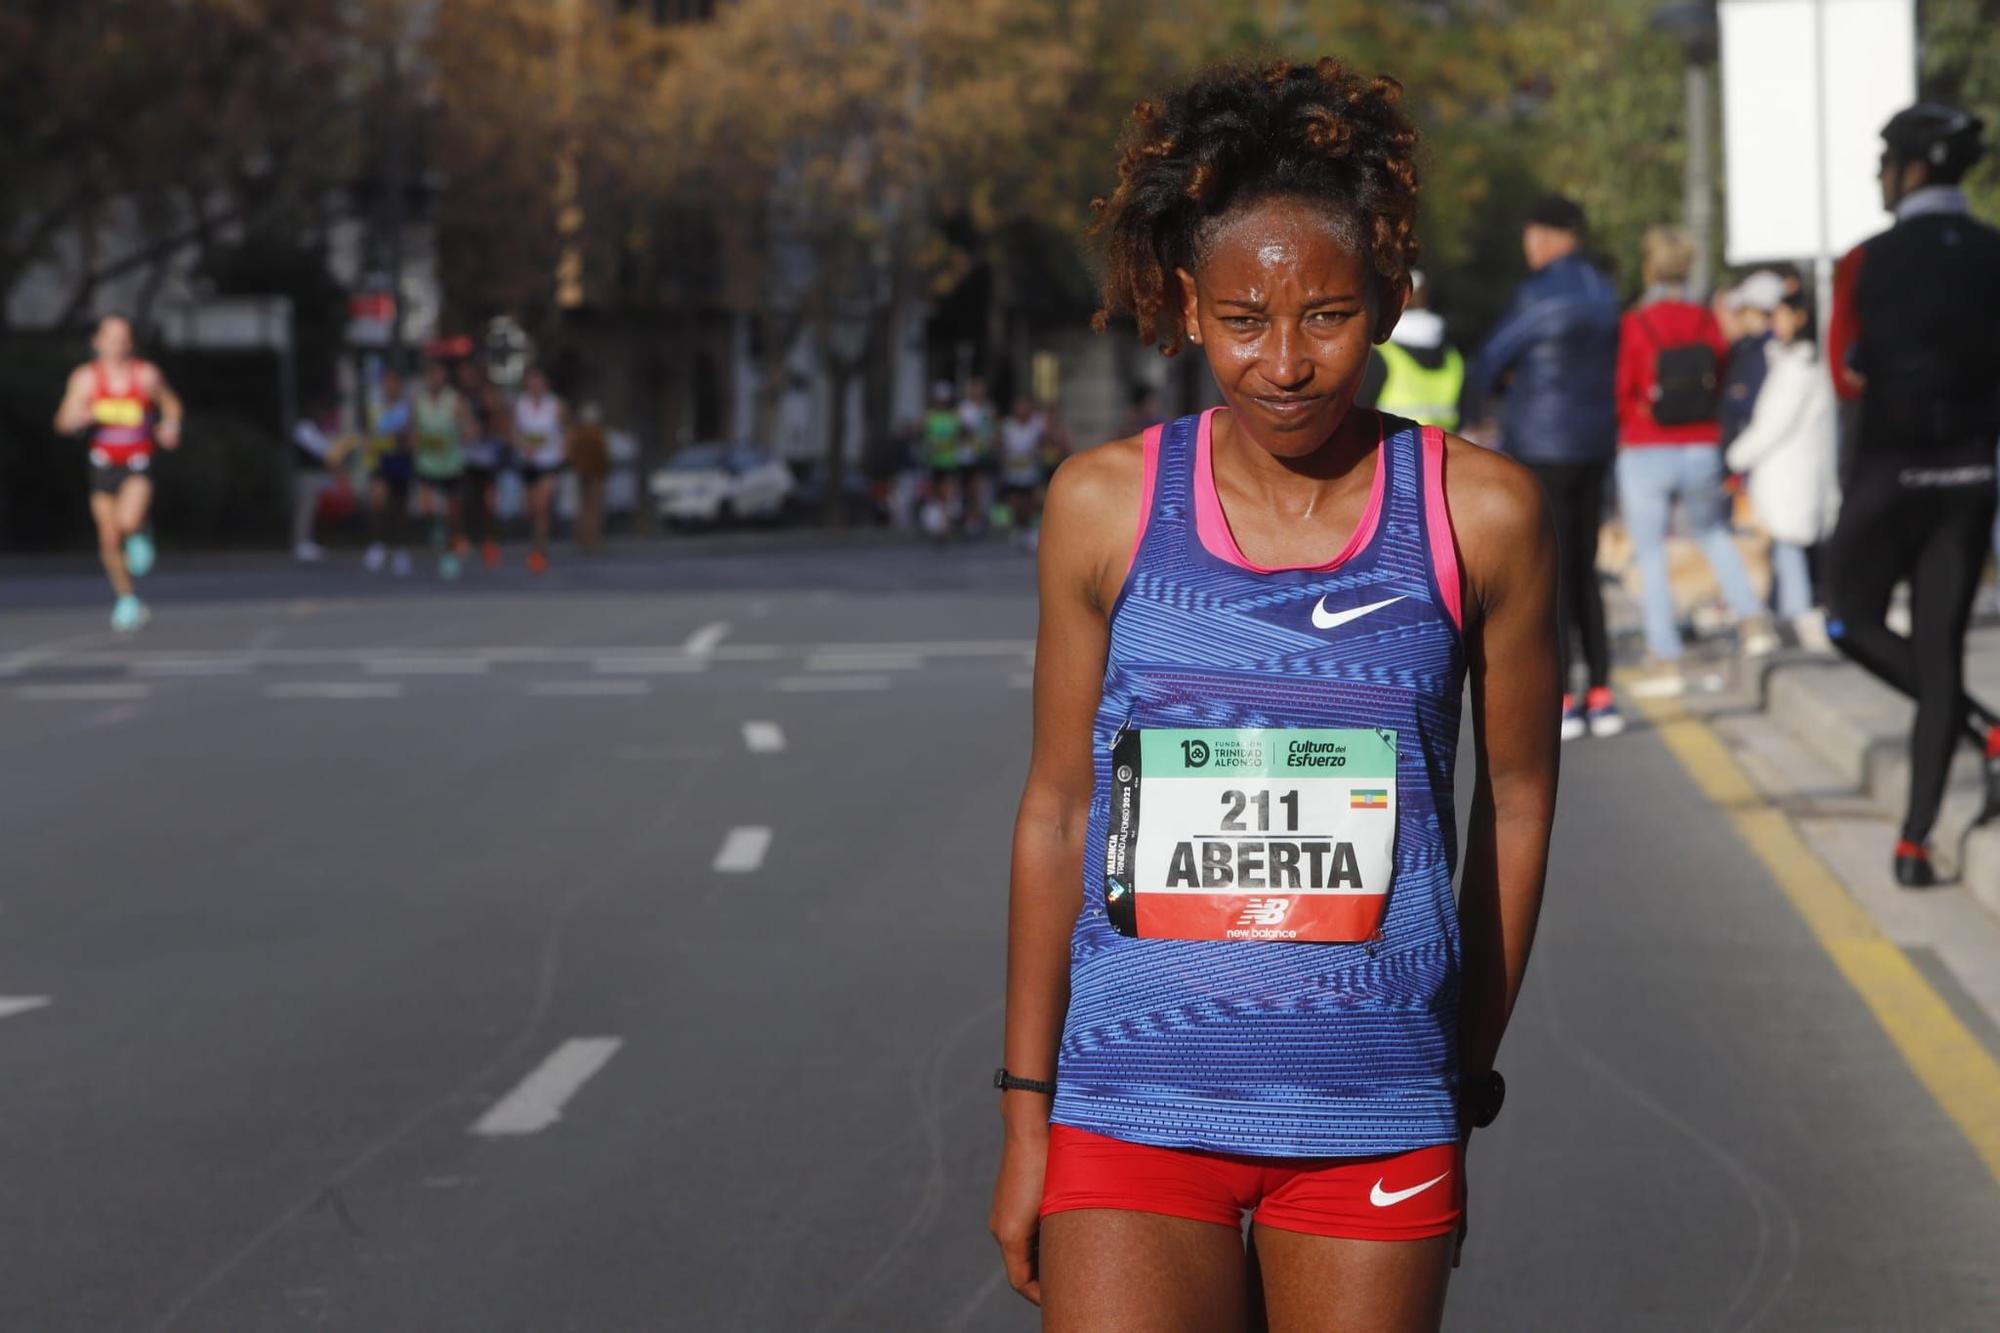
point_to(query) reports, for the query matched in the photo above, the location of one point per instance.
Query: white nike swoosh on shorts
(1382, 1198)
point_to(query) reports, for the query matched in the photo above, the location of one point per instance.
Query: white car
(720, 483)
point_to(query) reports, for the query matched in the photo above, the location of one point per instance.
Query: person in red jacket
(1670, 355)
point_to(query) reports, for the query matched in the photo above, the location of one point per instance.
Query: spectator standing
(1749, 305)
(1787, 449)
(1417, 373)
(1557, 346)
(1670, 357)
(317, 448)
(590, 458)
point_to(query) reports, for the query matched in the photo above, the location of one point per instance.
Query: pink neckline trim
(1212, 525)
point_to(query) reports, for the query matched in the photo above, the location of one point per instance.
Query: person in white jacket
(1788, 452)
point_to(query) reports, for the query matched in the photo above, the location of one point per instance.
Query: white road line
(830, 684)
(702, 642)
(426, 666)
(648, 666)
(192, 666)
(334, 689)
(743, 850)
(94, 692)
(21, 1004)
(864, 662)
(538, 1100)
(589, 689)
(763, 737)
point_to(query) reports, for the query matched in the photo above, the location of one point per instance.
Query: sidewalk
(1849, 725)
(1861, 729)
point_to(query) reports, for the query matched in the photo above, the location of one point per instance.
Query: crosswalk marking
(743, 850)
(538, 1100)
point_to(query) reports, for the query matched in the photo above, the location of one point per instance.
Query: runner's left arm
(171, 410)
(1508, 549)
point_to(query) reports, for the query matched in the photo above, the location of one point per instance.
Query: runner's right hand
(1017, 1204)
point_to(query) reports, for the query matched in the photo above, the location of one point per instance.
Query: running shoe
(129, 614)
(1574, 727)
(138, 555)
(449, 566)
(377, 556)
(537, 563)
(1913, 866)
(489, 554)
(1600, 711)
(1756, 638)
(399, 564)
(1661, 680)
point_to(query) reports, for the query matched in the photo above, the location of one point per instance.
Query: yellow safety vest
(1429, 397)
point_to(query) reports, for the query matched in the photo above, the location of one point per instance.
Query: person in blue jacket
(1554, 359)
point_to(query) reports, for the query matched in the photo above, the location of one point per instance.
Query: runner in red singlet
(128, 407)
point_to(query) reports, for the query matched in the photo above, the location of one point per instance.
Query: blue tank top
(1262, 1047)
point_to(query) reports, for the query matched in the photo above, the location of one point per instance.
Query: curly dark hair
(1240, 134)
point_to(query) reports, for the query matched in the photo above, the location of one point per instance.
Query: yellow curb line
(1952, 1064)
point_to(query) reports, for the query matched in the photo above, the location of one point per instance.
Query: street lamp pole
(1693, 23)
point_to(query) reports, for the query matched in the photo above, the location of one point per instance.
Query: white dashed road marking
(538, 1100)
(830, 684)
(590, 689)
(743, 850)
(192, 666)
(93, 692)
(763, 737)
(427, 666)
(334, 689)
(702, 642)
(21, 1004)
(864, 662)
(657, 665)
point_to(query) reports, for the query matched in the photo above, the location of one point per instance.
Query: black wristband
(1007, 1082)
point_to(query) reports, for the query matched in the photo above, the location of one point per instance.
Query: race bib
(1251, 834)
(118, 412)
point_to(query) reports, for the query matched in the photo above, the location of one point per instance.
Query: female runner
(1237, 980)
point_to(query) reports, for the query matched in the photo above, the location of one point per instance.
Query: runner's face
(1286, 310)
(113, 341)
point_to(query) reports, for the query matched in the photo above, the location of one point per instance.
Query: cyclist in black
(1915, 351)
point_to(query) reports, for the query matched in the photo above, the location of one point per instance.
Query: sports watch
(1007, 1082)
(1481, 1098)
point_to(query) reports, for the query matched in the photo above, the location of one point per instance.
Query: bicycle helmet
(1942, 137)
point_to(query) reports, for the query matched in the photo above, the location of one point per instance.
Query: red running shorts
(1400, 1196)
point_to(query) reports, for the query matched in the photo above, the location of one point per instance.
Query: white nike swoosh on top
(1382, 1198)
(1324, 619)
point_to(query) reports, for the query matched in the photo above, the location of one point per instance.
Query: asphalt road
(623, 952)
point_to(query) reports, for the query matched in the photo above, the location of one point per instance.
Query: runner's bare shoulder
(1498, 515)
(1092, 515)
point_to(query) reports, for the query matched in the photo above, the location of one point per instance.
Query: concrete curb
(1860, 728)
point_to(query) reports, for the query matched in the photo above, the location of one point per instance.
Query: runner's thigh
(1109, 1270)
(1318, 1284)
(133, 497)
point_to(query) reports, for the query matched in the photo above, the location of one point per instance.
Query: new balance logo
(1264, 912)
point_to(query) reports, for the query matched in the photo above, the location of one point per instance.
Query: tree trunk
(839, 377)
